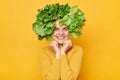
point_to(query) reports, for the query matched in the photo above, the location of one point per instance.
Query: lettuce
(45, 23)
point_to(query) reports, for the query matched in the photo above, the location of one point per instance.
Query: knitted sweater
(65, 68)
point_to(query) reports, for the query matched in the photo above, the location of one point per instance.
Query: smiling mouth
(61, 37)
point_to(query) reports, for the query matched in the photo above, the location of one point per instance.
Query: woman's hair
(72, 17)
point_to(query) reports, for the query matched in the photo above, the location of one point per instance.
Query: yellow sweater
(65, 68)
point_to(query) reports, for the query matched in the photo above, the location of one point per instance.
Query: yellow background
(19, 47)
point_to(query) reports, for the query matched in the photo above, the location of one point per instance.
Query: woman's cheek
(55, 33)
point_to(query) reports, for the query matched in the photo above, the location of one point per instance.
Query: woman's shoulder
(46, 50)
(77, 47)
(76, 50)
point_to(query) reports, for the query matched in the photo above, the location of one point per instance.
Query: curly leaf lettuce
(45, 23)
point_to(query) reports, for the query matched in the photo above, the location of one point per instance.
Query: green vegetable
(45, 23)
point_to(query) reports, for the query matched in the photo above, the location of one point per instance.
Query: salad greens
(44, 25)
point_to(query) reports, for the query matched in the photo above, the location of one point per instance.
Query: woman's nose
(61, 32)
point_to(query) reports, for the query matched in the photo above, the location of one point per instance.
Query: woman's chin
(60, 42)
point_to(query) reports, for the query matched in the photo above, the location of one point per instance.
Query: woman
(62, 60)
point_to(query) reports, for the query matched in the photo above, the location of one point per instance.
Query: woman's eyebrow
(56, 28)
(65, 28)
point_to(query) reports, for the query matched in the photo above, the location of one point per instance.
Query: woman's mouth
(61, 37)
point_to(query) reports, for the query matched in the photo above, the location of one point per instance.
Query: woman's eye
(65, 29)
(56, 29)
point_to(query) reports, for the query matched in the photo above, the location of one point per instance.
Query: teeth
(60, 37)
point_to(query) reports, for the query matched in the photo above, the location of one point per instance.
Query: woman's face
(60, 33)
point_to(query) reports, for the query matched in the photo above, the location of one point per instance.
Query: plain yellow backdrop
(19, 46)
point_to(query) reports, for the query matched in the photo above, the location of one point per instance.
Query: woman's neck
(60, 46)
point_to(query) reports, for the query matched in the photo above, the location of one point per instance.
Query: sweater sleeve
(70, 69)
(49, 70)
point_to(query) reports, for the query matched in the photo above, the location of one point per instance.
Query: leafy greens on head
(72, 17)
